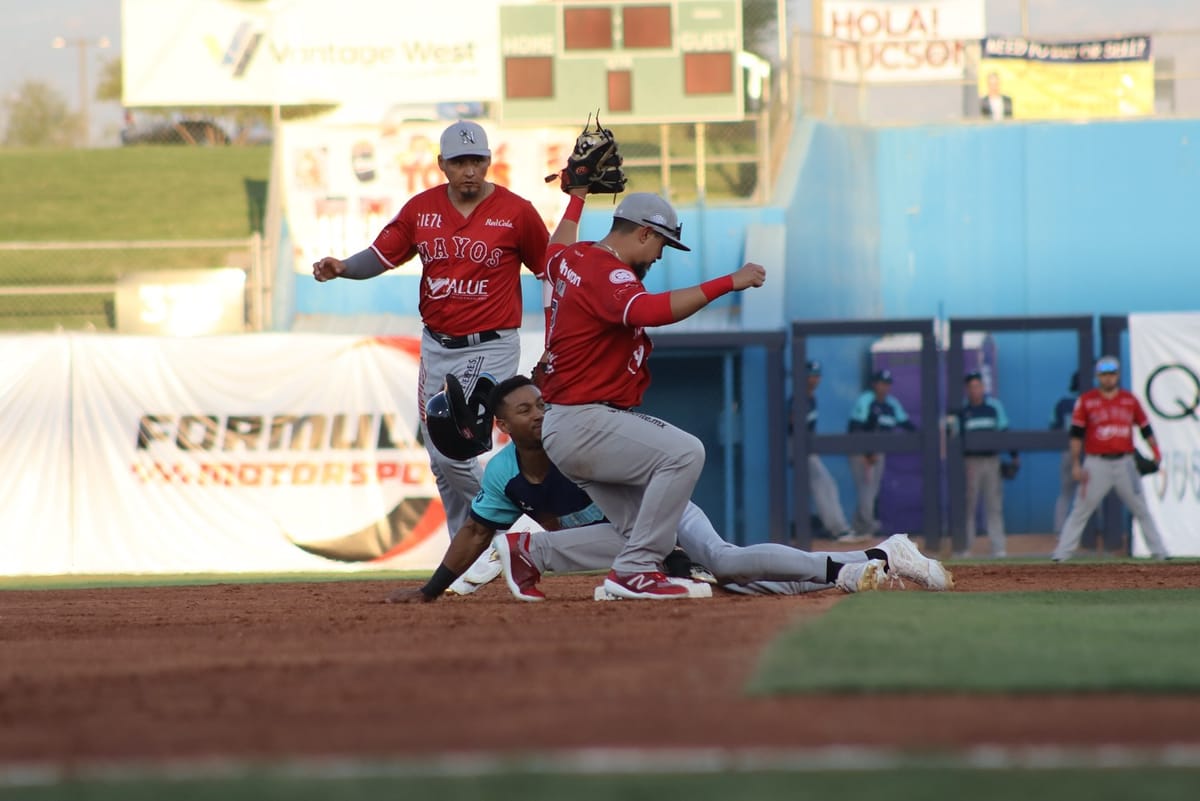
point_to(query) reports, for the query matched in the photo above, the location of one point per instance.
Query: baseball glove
(1009, 470)
(1145, 465)
(595, 162)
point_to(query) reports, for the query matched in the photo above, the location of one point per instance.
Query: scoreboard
(637, 61)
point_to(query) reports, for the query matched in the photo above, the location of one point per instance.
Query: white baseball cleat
(906, 562)
(860, 576)
(486, 568)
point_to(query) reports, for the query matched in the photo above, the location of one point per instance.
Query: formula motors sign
(265, 452)
(229, 52)
(886, 42)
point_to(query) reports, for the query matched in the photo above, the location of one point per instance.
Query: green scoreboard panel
(637, 61)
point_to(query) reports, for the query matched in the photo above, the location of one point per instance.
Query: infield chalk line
(614, 761)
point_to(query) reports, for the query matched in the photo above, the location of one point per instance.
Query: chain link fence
(135, 286)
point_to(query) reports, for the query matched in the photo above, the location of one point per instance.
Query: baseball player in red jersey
(638, 469)
(472, 237)
(1102, 427)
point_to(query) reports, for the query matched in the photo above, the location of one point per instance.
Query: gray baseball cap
(465, 138)
(647, 208)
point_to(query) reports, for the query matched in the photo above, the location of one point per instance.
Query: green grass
(132, 193)
(136, 193)
(1128, 640)
(915, 784)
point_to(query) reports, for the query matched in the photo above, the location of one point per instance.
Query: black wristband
(442, 578)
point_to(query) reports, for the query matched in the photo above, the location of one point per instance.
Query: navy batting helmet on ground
(460, 427)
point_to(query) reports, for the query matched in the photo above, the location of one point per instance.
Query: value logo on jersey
(441, 288)
(622, 276)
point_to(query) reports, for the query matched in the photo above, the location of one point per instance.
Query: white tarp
(35, 460)
(271, 452)
(1165, 375)
(901, 40)
(223, 52)
(343, 183)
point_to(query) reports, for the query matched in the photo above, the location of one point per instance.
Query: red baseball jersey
(593, 355)
(1108, 422)
(470, 266)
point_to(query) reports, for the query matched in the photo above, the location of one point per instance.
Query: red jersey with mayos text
(1109, 422)
(593, 356)
(471, 267)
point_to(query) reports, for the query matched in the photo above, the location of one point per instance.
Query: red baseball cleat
(653, 585)
(518, 569)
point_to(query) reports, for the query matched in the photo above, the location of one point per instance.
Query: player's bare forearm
(469, 542)
(567, 231)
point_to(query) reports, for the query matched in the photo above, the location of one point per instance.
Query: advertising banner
(226, 52)
(888, 42)
(35, 461)
(1068, 80)
(343, 183)
(222, 454)
(1165, 375)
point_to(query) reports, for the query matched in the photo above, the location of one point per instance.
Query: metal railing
(38, 305)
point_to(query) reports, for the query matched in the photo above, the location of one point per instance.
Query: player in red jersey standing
(1102, 427)
(472, 237)
(638, 469)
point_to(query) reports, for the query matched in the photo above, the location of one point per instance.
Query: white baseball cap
(465, 138)
(647, 208)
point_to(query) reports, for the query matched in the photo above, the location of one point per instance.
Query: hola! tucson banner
(271, 452)
(1070, 80)
(1165, 375)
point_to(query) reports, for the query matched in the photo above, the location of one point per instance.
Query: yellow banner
(1022, 79)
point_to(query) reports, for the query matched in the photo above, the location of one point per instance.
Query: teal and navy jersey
(870, 414)
(986, 416)
(1060, 418)
(505, 495)
(812, 412)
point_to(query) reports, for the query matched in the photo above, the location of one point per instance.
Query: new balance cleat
(860, 576)
(651, 585)
(905, 561)
(517, 567)
(695, 589)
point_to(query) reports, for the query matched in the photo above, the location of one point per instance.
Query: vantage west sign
(224, 52)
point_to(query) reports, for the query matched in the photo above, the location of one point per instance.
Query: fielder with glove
(594, 163)
(593, 168)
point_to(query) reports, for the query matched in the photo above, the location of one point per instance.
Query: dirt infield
(264, 671)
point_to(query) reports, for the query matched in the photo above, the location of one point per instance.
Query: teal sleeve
(1001, 416)
(862, 408)
(901, 415)
(492, 506)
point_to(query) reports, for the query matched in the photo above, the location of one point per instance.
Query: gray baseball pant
(638, 469)
(1066, 491)
(824, 492)
(984, 480)
(1103, 476)
(764, 569)
(867, 480)
(458, 482)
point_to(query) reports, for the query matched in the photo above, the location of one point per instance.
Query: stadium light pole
(82, 44)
